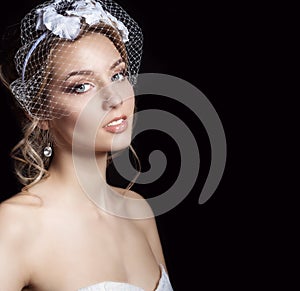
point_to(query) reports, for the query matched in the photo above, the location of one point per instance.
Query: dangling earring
(48, 151)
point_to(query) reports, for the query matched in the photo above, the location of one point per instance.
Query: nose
(115, 94)
(114, 100)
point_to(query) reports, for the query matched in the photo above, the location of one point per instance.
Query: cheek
(130, 105)
(65, 105)
(62, 130)
(85, 125)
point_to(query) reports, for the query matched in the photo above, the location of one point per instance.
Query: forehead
(89, 52)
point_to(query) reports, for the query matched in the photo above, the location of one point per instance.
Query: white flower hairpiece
(68, 25)
(66, 20)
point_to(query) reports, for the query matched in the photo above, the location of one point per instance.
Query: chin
(115, 142)
(120, 142)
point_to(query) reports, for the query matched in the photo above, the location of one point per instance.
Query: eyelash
(73, 89)
(123, 72)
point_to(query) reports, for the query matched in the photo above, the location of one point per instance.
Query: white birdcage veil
(57, 23)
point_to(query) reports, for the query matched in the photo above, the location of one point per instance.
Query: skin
(53, 237)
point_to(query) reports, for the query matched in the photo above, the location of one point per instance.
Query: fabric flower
(68, 25)
(91, 11)
(120, 26)
(64, 26)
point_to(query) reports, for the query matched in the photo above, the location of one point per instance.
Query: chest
(72, 253)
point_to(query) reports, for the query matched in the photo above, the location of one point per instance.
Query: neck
(69, 172)
(72, 177)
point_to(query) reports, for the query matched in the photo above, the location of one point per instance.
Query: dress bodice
(163, 285)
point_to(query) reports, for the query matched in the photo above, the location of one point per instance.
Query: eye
(81, 88)
(118, 77)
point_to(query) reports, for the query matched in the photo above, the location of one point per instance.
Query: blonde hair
(30, 163)
(31, 166)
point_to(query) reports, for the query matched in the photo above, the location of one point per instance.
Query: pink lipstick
(117, 125)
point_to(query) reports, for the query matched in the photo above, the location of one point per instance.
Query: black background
(229, 50)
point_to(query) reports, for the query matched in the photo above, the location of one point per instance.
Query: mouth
(117, 125)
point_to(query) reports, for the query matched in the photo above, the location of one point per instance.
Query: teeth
(114, 123)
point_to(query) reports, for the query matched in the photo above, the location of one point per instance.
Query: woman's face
(89, 84)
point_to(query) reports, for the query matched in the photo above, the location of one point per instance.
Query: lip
(119, 128)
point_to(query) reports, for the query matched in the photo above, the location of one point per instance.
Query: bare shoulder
(128, 193)
(16, 229)
(23, 199)
(137, 206)
(18, 216)
(142, 207)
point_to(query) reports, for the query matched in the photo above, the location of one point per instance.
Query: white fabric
(163, 285)
(69, 26)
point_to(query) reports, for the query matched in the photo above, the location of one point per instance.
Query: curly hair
(31, 165)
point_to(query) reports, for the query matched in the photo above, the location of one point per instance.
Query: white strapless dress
(163, 285)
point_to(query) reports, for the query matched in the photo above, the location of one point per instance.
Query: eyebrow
(115, 64)
(90, 73)
(75, 73)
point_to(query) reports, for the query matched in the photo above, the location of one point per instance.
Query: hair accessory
(30, 52)
(52, 27)
(68, 25)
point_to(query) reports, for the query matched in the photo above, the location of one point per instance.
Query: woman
(68, 229)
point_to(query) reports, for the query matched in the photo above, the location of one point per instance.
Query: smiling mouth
(115, 122)
(117, 125)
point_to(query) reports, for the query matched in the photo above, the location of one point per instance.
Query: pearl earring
(48, 151)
